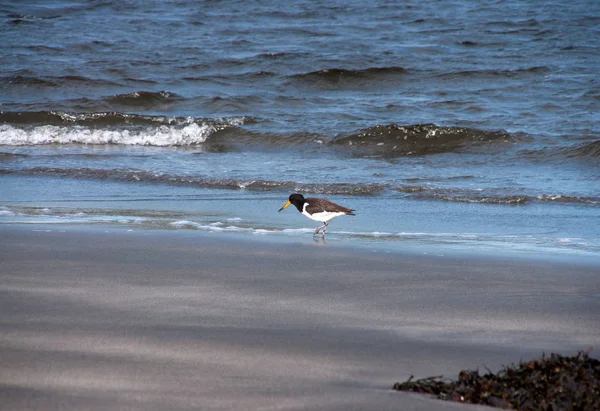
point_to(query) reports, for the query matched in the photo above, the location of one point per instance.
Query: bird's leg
(324, 226)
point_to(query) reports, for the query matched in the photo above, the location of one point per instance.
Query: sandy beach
(95, 319)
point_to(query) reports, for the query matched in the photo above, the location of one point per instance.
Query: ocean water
(461, 124)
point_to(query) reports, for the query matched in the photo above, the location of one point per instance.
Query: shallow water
(449, 124)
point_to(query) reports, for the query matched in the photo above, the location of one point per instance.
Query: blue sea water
(455, 124)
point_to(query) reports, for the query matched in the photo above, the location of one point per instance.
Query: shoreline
(154, 320)
(408, 249)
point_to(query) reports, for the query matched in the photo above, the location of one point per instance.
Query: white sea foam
(184, 224)
(220, 227)
(189, 134)
(297, 230)
(216, 227)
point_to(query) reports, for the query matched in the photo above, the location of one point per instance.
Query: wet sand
(154, 320)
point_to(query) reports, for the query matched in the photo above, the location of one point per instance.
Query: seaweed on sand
(551, 383)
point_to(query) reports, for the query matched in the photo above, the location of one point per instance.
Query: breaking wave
(419, 139)
(107, 119)
(58, 127)
(160, 136)
(50, 127)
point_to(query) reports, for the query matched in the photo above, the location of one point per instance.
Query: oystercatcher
(317, 209)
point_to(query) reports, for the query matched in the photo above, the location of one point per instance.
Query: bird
(318, 209)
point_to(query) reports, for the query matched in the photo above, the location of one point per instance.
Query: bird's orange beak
(286, 205)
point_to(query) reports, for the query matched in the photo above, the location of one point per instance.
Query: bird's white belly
(323, 216)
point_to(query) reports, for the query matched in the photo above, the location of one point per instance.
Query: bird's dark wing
(317, 205)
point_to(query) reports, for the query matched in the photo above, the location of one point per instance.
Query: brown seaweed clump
(551, 383)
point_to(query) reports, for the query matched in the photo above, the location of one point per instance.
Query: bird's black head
(297, 200)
